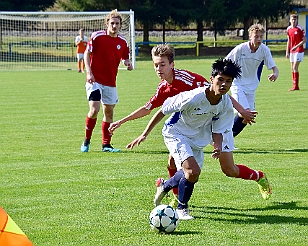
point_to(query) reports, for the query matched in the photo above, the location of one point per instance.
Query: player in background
(173, 81)
(81, 44)
(198, 117)
(251, 56)
(104, 52)
(295, 48)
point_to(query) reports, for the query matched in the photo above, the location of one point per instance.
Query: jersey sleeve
(268, 61)
(126, 53)
(177, 103)
(158, 98)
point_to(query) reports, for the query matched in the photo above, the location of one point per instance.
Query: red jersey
(295, 36)
(106, 54)
(183, 80)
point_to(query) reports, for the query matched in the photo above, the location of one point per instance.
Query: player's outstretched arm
(249, 116)
(217, 142)
(139, 113)
(157, 117)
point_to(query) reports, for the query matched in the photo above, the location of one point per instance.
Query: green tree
(29, 5)
(248, 11)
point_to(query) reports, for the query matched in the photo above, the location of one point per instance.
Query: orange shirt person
(81, 44)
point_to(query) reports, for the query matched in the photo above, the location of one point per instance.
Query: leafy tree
(29, 5)
(247, 11)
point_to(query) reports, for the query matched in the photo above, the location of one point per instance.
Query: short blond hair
(255, 28)
(293, 15)
(113, 14)
(161, 50)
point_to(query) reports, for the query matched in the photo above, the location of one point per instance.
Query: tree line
(219, 15)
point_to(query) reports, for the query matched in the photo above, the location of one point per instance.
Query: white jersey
(251, 64)
(195, 118)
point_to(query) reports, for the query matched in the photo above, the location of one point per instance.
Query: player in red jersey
(173, 81)
(295, 48)
(102, 57)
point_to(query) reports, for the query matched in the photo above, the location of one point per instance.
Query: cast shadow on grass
(244, 216)
(268, 151)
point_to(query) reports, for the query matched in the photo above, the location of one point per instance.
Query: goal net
(46, 40)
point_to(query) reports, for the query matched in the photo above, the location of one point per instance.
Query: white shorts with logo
(247, 100)
(181, 148)
(297, 57)
(108, 94)
(80, 56)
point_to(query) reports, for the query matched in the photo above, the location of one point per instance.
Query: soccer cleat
(294, 89)
(184, 214)
(85, 147)
(174, 201)
(109, 148)
(79, 71)
(160, 193)
(265, 187)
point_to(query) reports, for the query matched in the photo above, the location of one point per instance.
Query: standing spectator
(81, 44)
(251, 56)
(295, 48)
(104, 52)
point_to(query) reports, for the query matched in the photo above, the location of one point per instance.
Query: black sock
(174, 181)
(186, 189)
(238, 125)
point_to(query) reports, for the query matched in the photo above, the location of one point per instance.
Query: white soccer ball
(164, 218)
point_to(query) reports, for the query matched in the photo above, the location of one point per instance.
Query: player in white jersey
(198, 117)
(251, 56)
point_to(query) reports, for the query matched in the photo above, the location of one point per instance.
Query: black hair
(226, 67)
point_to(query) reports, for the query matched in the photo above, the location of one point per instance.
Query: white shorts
(243, 98)
(296, 57)
(181, 149)
(227, 142)
(108, 95)
(80, 56)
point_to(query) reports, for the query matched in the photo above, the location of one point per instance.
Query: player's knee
(93, 112)
(192, 175)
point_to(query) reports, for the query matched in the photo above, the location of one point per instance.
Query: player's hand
(249, 116)
(114, 126)
(137, 142)
(90, 78)
(128, 64)
(272, 77)
(216, 152)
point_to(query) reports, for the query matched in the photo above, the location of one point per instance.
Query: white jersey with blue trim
(251, 64)
(194, 117)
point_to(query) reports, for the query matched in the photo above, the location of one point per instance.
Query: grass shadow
(245, 216)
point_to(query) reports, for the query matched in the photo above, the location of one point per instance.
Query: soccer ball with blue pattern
(164, 218)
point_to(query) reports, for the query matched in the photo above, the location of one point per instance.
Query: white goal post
(46, 40)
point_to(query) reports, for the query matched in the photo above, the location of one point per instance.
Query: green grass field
(60, 196)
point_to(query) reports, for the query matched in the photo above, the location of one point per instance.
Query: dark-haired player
(198, 117)
(173, 81)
